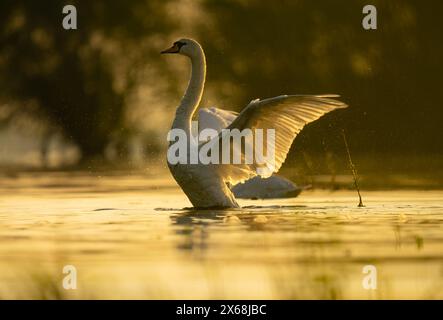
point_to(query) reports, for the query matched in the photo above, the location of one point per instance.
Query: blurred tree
(388, 76)
(79, 80)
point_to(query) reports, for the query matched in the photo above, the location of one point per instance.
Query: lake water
(129, 237)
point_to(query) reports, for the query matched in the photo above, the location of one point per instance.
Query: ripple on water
(306, 247)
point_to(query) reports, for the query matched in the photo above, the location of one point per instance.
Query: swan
(267, 188)
(209, 185)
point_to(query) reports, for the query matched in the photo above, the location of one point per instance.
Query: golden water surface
(129, 236)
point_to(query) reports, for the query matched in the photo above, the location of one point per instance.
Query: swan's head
(186, 47)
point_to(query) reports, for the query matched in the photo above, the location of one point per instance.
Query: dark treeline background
(84, 85)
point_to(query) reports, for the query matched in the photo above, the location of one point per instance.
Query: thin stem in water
(353, 169)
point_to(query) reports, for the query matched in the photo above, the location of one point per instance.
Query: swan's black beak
(174, 49)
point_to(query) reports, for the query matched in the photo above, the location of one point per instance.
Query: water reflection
(314, 246)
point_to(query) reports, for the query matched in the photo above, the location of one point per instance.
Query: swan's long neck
(193, 94)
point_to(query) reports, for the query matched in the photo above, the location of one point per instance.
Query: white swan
(273, 187)
(209, 185)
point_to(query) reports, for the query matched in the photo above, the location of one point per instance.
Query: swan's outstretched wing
(287, 115)
(214, 118)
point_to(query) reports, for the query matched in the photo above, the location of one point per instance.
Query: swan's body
(269, 188)
(209, 185)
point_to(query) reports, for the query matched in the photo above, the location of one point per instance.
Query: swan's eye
(175, 48)
(179, 44)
